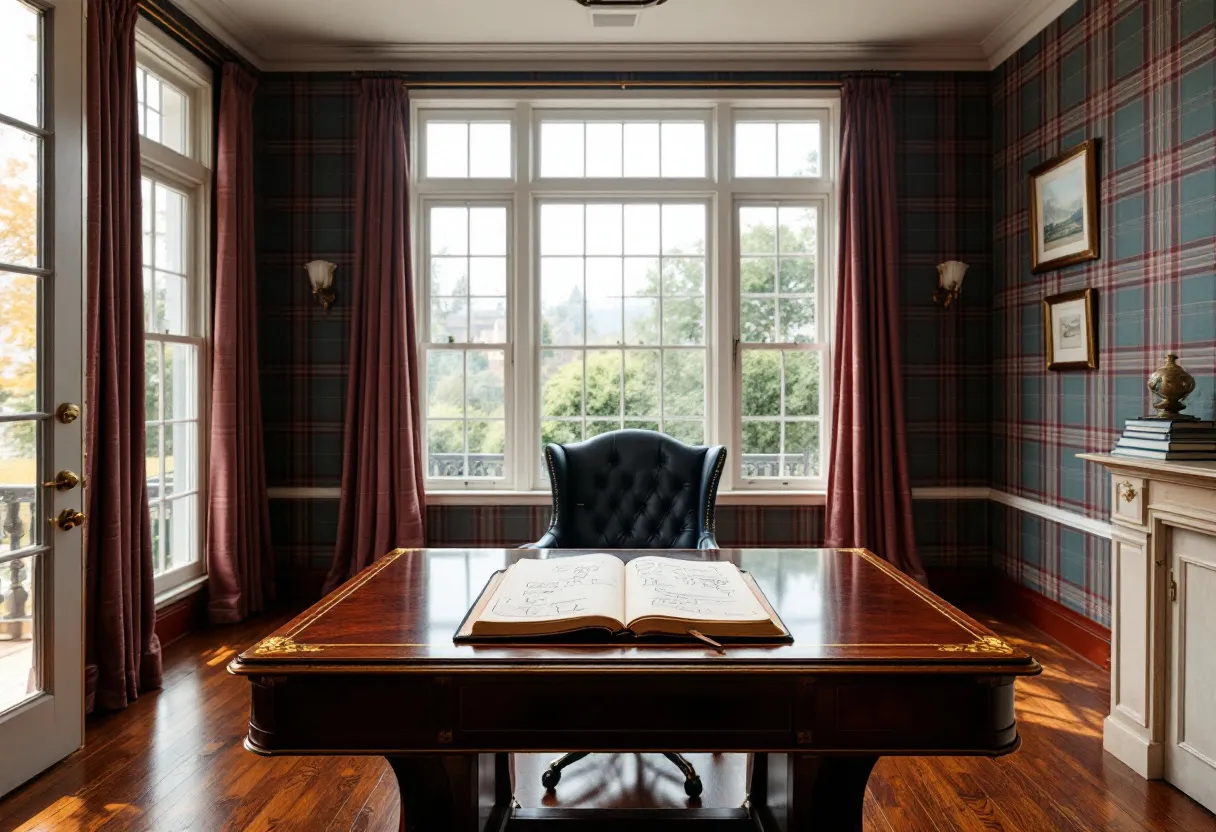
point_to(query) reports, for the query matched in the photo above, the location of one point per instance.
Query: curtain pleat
(869, 499)
(381, 506)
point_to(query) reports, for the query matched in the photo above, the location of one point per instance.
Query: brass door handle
(68, 519)
(65, 480)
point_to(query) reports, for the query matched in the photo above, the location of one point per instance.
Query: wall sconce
(949, 282)
(321, 276)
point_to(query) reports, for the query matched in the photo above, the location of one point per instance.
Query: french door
(41, 384)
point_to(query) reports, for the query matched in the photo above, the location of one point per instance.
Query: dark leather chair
(631, 489)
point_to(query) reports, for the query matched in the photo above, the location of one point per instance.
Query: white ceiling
(721, 34)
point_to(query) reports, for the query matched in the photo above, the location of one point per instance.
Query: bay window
(658, 263)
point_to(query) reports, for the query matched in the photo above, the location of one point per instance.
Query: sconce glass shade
(321, 276)
(949, 282)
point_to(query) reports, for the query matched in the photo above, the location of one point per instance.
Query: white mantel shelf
(1162, 719)
(1155, 468)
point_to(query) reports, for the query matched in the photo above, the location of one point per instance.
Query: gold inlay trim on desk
(987, 644)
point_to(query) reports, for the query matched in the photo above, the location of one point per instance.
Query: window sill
(183, 590)
(543, 498)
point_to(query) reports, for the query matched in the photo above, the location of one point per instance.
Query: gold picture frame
(1064, 209)
(1068, 330)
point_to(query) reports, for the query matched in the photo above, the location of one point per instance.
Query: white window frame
(722, 191)
(189, 173)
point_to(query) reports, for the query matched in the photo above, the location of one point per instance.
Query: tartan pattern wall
(305, 135)
(1139, 76)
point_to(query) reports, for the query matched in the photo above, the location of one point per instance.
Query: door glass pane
(19, 46)
(18, 479)
(18, 343)
(18, 196)
(18, 669)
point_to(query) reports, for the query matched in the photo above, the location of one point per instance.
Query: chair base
(553, 774)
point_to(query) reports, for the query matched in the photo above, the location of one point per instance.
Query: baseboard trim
(181, 618)
(1087, 638)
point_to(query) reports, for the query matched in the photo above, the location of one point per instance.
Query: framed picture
(1064, 209)
(1068, 325)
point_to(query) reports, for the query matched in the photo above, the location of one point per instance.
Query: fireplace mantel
(1162, 718)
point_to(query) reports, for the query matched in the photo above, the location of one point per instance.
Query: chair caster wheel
(692, 787)
(552, 775)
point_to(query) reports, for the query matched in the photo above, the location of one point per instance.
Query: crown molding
(1027, 21)
(634, 57)
(210, 19)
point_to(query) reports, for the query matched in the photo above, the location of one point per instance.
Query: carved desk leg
(795, 792)
(451, 792)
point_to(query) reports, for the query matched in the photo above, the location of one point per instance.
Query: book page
(689, 590)
(556, 589)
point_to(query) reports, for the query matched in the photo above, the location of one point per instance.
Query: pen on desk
(697, 634)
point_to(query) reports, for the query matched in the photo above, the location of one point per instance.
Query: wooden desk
(878, 666)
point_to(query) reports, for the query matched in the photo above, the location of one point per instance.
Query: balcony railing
(16, 618)
(453, 466)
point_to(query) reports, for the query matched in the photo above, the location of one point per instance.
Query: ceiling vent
(614, 20)
(617, 14)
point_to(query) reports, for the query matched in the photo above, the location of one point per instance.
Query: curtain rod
(153, 11)
(623, 85)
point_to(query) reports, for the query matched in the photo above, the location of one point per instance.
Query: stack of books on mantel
(1171, 440)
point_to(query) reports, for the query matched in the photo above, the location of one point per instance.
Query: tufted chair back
(632, 489)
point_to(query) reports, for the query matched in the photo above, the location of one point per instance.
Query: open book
(646, 596)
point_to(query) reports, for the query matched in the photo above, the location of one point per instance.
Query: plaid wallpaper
(305, 145)
(1139, 76)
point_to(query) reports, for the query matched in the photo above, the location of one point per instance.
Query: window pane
(172, 304)
(487, 276)
(447, 149)
(604, 314)
(798, 231)
(19, 43)
(154, 472)
(604, 383)
(642, 229)
(449, 231)
(757, 321)
(797, 320)
(798, 149)
(173, 119)
(691, 433)
(18, 481)
(18, 344)
(683, 229)
(19, 210)
(801, 449)
(181, 381)
(445, 383)
(684, 383)
(683, 321)
(761, 390)
(561, 382)
(487, 444)
(603, 150)
(561, 300)
(755, 149)
(18, 651)
(181, 532)
(604, 229)
(445, 449)
(683, 149)
(181, 457)
(597, 426)
(683, 276)
(488, 320)
(157, 539)
(562, 433)
(449, 276)
(641, 150)
(488, 230)
(490, 150)
(152, 351)
(801, 383)
(642, 379)
(561, 229)
(561, 149)
(449, 320)
(757, 275)
(485, 382)
(758, 229)
(797, 275)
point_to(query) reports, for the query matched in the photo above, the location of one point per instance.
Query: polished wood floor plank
(174, 760)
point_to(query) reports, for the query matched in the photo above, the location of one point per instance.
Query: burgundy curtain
(869, 500)
(382, 493)
(240, 565)
(122, 652)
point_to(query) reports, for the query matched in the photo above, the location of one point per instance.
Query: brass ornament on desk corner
(1172, 384)
(985, 644)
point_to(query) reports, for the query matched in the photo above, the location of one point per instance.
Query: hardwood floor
(174, 761)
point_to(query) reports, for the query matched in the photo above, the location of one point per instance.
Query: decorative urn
(1172, 384)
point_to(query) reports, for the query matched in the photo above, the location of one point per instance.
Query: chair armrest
(547, 541)
(707, 540)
